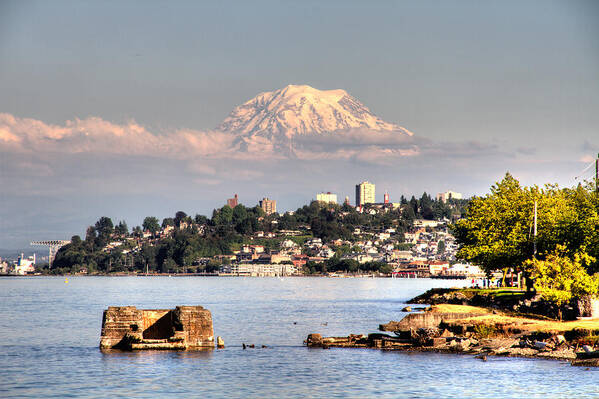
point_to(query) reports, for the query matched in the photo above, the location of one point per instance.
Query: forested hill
(184, 243)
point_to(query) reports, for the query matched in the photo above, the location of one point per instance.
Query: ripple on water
(49, 333)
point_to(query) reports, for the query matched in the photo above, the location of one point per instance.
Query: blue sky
(487, 86)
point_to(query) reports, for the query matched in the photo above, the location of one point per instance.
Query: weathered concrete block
(185, 327)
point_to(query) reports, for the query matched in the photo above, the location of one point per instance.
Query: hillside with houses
(317, 239)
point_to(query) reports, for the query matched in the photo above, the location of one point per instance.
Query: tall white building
(448, 195)
(364, 193)
(327, 198)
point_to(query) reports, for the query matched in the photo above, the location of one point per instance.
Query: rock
(540, 345)
(220, 343)
(522, 352)
(560, 339)
(586, 362)
(407, 309)
(587, 348)
(446, 333)
(391, 326)
(464, 345)
(314, 340)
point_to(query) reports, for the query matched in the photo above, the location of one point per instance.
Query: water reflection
(156, 355)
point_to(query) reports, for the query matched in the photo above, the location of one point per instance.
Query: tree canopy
(497, 230)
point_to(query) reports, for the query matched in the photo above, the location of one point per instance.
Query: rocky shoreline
(478, 331)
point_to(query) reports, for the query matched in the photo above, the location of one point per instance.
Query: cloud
(95, 135)
(384, 148)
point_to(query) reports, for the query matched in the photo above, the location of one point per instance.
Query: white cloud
(95, 135)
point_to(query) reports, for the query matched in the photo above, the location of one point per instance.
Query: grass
(526, 324)
(447, 308)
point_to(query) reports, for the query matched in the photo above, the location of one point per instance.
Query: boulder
(314, 340)
(391, 326)
(540, 345)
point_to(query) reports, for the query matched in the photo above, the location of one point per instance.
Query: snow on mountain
(272, 118)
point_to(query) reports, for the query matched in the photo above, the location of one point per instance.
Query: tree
(222, 216)
(426, 207)
(200, 219)
(150, 224)
(559, 278)
(441, 247)
(122, 228)
(168, 222)
(497, 230)
(137, 232)
(495, 233)
(179, 217)
(76, 240)
(104, 226)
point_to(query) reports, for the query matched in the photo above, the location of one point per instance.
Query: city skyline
(120, 119)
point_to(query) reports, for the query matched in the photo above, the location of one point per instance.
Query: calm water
(49, 335)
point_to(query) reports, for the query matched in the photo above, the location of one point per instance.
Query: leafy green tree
(104, 226)
(122, 229)
(560, 278)
(179, 217)
(200, 219)
(441, 247)
(137, 231)
(497, 232)
(151, 224)
(222, 216)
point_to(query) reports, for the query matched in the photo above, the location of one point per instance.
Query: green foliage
(336, 264)
(441, 247)
(228, 229)
(484, 330)
(560, 278)
(497, 230)
(151, 224)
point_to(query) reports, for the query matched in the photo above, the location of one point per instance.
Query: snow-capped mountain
(275, 117)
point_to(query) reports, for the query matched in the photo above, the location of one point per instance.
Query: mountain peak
(301, 109)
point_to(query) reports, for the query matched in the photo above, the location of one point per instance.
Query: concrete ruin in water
(182, 328)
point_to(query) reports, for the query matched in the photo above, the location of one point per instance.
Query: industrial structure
(53, 246)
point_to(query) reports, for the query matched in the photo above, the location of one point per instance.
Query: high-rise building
(268, 206)
(233, 202)
(364, 193)
(386, 198)
(448, 195)
(327, 198)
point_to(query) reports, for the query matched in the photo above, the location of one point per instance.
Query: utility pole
(535, 233)
(597, 174)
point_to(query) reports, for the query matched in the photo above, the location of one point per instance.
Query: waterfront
(49, 333)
